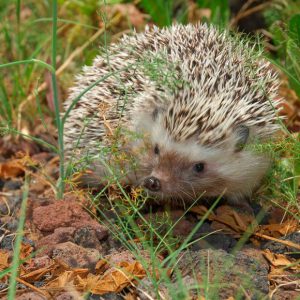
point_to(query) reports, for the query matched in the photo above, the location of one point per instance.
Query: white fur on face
(235, 173)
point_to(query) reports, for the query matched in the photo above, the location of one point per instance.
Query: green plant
(285, 29)
(164, 12)
(219, 10)
(17, 249)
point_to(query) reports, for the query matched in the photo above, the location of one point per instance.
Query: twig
(297, 282)
(286, 243)
(32, 287)
(248, 12)
(246, 6)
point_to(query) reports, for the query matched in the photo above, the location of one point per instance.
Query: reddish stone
(38, 263)
(60, 235)
(68, 296)
(65, 214)
(76, 256)
(31, 296)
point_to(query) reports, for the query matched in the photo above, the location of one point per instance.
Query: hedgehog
(177, 111)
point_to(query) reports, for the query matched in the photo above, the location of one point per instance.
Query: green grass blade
(66, 22)
(5, 108)
(28, 61)
(10, 130)
(159, 10)
(59, 123)
(17, 248)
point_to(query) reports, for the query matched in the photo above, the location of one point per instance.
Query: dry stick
(286, 243)
(281, 285)
(75, 53)
(266, 237)
(246, 6)
(248, 12)
(32, 287)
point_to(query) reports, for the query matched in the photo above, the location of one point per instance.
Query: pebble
(75, 256)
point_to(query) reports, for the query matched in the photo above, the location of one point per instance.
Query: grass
(17, 249)
(58, 120)
(24, 60)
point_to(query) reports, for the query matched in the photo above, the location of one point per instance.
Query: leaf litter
(114, 277)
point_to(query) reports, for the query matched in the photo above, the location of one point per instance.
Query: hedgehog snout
(152, 184)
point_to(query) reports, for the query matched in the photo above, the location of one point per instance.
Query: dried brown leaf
(277, 260)
(201, 210)
(230, 221)
(118, 278)
(278, 230)
(11, 169)
(4, 257)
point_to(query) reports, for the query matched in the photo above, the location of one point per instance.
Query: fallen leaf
(277, 260)
(130, 11)
(130, 15)
(279, 230)
(226, 219)
(4, 257)
(26, 250)
(118, 278)
(201, 210)
(11, 169)
(129, 297)
(36, 275)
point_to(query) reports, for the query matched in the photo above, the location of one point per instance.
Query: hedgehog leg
(97, 176)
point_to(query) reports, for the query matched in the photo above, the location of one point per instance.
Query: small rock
(27, 241)
(39, 284)
(38, 263)
(279, 248)
(282, 294)
(31, 296)
(146, 290)
(3, 286)
(256, 254)
(87, 238)
(21, 286)
(9, 222)
(60, 235)
(230, 272)
(11, 202)
(7, 242)
(125, 255)
(76, 256)
(67, 296)
(211, 240)
(111, 245)
(2, 182)
(65, 214)
(12, 185)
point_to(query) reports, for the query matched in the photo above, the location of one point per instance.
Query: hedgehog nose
(152, 183)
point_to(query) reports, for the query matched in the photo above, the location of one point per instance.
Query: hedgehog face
(188, 174)
(172, 174)
(186, 170)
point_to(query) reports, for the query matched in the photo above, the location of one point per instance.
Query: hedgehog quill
(174, 114)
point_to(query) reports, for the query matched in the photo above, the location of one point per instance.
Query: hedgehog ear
(242, 134)
(156, 112)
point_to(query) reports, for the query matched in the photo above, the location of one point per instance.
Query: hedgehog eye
(199, 167)
(156, 149)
